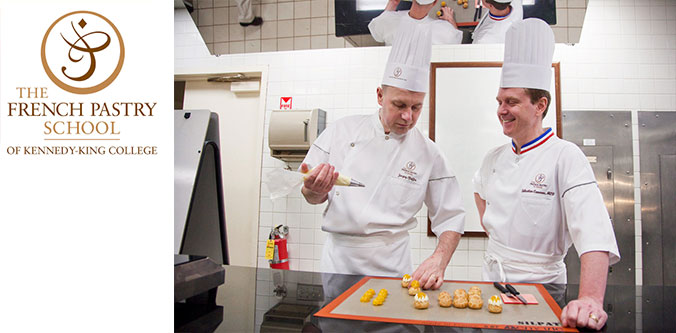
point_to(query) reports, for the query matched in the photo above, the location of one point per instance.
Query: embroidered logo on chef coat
(408, 172)
(540, 178)
(538, 186)
(539, 181)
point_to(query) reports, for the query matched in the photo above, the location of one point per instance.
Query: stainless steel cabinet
(605, 138)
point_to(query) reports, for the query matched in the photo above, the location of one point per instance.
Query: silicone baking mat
(398, 307)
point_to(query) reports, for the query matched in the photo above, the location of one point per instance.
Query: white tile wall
(282, 19)
(613, 67)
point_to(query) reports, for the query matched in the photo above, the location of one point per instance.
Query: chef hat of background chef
(408, 66)
(425, 2)
(503, 1)
(529, 47)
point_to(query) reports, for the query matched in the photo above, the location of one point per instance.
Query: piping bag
(281, 182)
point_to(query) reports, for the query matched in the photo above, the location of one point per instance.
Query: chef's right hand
(320, 180)
(448, 16)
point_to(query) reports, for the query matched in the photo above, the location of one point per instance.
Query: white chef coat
(368, 226)
(491, 29)
(384, 26)
(538, 203)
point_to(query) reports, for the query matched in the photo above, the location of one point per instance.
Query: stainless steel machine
(199, 211)
(200, 240)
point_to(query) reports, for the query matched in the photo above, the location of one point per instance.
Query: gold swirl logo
(87, 49)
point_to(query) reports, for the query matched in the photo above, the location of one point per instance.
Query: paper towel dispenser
(292, 132)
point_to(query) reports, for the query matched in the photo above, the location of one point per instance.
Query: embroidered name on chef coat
(408, 173)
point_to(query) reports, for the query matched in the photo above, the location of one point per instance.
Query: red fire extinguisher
(280, 259)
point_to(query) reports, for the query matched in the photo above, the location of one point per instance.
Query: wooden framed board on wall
(463, 122)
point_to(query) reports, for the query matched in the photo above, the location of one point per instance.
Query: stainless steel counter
(266, 300)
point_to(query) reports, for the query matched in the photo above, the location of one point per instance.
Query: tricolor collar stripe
(537, 139)
(499, 18)
(535, 142)
(538, 144)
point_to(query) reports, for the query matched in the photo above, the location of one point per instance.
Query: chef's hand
(319, 182)
(584, 312)
(430, 273)
(447, 15)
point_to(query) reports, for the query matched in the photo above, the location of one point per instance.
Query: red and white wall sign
(285, 103)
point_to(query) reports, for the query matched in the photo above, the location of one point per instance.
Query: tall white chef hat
(529, 48)
(424, 2)
(408, 66)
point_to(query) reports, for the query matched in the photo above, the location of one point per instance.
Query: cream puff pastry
(474, 290)
(494, 304)
(406, 281)
(445, 299)
(475, 302)
(421, 301)
(414, 288)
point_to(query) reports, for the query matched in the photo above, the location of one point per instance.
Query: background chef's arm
(392, 5)
(383, 26)
(448, 16)
(477, 181)
(481, 207)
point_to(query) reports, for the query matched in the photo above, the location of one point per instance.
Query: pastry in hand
(494, 304)
(421, 301)
(406, 281)
(414, 288)
(445, 299)
(475, 302)
(474, 290)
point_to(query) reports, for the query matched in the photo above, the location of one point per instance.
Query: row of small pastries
(421, 301)
(461, 298)
(414, 287)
